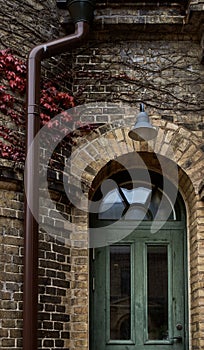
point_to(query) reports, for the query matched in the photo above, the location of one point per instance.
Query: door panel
(157, 320)
(120, 292)
(138, 296)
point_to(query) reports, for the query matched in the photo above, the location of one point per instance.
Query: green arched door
(138, 283)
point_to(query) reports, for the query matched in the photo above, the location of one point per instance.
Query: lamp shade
(143, 129)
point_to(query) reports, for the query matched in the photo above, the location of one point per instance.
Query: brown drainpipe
(40, 52)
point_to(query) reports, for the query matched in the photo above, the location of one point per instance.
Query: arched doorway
(138, 278)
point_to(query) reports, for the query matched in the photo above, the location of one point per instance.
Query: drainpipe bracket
(33, 109)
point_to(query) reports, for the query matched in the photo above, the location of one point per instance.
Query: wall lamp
(143, 129)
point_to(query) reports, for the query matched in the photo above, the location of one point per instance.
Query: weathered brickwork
(54, 285)
(134, 71)
(11, 262)
(126, 61)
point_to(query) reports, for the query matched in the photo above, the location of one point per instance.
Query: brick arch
(173, 143)
(109, 142)
(92, 158)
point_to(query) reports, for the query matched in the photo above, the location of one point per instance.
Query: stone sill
(114, 19)
(142, 4)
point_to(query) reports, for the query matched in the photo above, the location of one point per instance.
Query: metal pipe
(40, 52)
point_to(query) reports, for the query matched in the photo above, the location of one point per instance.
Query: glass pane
(113, 213)
(139, 195)
(112, 206)
(120, 292)
(139, 203)
(157, 279)
(161, 206)
(137, 213)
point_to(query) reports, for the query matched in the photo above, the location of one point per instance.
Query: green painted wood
(171, 235)
(98, 296)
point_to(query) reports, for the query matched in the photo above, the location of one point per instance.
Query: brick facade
(133, 55)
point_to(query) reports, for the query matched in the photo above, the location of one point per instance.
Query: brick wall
(156, 65)
(54, 285)
(11, 264)
(166, 76)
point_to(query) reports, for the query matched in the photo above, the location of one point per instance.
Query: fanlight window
(139, 203)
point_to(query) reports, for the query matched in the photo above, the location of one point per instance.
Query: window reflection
(120, 283)
(112, 206)
(138, 195)
(157, 292)
(139, 203)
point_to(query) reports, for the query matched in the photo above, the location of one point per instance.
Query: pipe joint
(81, 10)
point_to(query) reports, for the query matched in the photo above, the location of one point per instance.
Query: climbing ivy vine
(12, 105)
